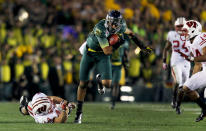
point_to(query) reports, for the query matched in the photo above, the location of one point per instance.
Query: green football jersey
(97, 39)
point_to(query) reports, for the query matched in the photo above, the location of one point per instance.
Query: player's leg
(185, 71)
(116, 74)
(194, 96)
(196, 81)
(176, 74)
(87, 63)
(105, 73)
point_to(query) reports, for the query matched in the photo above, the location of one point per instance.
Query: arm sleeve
(103, 42)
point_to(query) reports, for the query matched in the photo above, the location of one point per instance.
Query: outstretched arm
(135, 39)
(138, 42)
(165, 50)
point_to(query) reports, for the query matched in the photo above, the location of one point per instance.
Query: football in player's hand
(113, 39)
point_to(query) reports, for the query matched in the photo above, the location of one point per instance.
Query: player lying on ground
(97, 53)
(180, 67)
(46, 109)
(193, 32)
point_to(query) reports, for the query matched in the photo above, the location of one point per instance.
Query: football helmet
(179, 24)
(191, 29)
(113, 22)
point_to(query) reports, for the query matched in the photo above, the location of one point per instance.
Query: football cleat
(101, 88)
(78, 118)
(201, 116)
(23, 104)
(173, 104)
(178, 111)
(112, 107)
(23, 101)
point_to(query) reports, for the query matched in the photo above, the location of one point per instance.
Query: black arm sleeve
(138, 42)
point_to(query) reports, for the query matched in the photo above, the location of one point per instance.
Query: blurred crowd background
(39, 42)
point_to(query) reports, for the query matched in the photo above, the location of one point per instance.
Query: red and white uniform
(180, 66)
(198, 80)
(42, 109)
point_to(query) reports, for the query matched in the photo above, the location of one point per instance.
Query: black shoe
(112, 107)
(23, 104)
(23, 101)
(101, 88)
(178, 111)
(201, 116)
(78, 118)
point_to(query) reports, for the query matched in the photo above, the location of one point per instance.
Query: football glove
(147, 50)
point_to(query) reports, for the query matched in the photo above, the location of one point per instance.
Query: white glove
(164, 66)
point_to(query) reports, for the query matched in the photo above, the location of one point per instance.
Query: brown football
(113, 39)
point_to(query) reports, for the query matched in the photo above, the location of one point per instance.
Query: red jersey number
(42, 109)
(176, 44)
(184, 47)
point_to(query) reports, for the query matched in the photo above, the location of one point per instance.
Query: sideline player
(118, 58)
(180, 67)
(46, 109)
(193, 32)
(97, 53)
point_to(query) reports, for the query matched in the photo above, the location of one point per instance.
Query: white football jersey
(45, 117)
(198, 44)
(178, 45)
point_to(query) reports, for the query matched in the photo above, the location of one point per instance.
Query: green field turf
(98, 116)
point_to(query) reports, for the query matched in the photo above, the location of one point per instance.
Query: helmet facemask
(113, 22)
(179, 24)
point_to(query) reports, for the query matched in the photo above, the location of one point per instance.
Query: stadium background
(39, 41)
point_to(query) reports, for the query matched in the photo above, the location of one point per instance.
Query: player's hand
(189, 58)
(148, 50)
(63, 105)
(164, 66)
(71, 105)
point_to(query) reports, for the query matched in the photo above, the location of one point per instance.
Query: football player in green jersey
(98, 51)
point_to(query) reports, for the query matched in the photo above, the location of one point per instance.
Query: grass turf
(98, 116)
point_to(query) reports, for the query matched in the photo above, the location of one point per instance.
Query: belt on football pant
(91, 50)
(116, 63)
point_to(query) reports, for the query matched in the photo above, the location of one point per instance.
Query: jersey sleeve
(29, 107)
(169, 36)
(101, 37)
